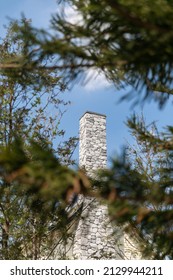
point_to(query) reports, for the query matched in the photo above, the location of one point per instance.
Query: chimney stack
(92, 145)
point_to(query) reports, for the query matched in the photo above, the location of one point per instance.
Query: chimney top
(92, 113)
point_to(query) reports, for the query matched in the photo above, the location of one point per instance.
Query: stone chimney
(95, 236)
(92, 145)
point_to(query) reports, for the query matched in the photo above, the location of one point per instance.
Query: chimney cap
(92, 113)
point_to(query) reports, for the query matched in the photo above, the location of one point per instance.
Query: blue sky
(97, 95)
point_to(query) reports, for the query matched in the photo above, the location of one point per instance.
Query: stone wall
(95, 237)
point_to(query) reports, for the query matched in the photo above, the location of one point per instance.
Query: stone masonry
(92, 145)
(96, 237)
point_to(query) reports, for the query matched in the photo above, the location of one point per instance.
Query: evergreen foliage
(25, 220)
(131, 42)
(139, 189)
(36, 191)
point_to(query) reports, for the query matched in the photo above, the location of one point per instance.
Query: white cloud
(95, 80)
